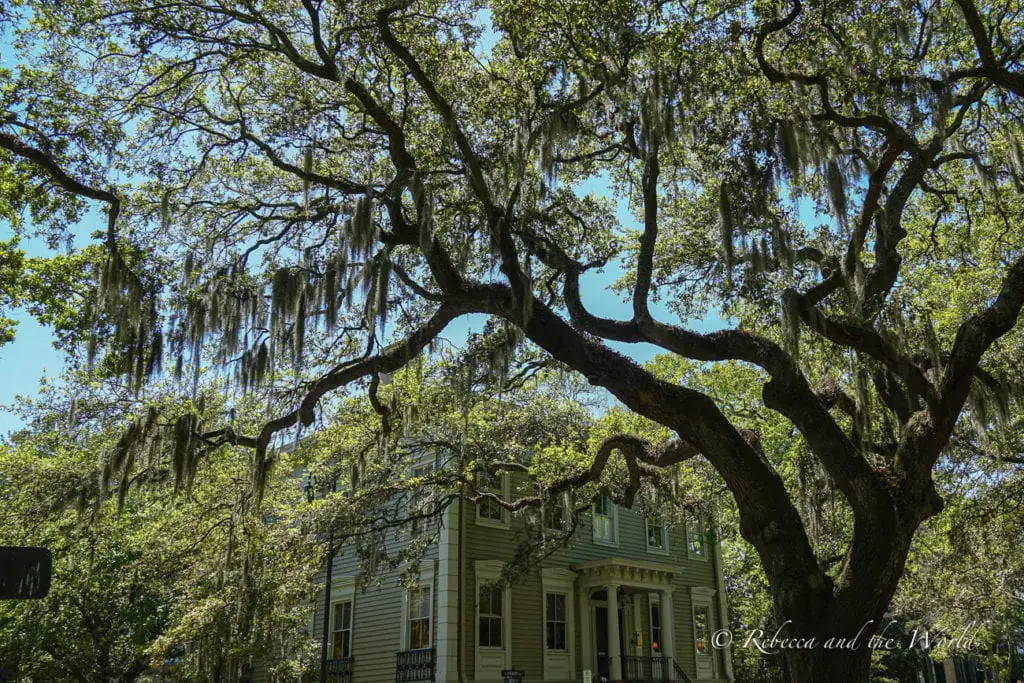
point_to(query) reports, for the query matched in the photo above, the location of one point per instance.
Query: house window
(488, 510)
(419, 499)
(555, 621)
(604, 519)
(556, 517)
(419, 618)
(657, 535)
(655, 626)
(695, 537)
(701, 628)
(491, 607)
(342, 630)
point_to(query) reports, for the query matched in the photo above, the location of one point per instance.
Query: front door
(604, 669)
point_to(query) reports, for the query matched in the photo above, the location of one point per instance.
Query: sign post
(513, 675)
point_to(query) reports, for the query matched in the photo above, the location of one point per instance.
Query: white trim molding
(559, 664)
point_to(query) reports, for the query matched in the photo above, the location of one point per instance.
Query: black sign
(513, 675)
(24, 573)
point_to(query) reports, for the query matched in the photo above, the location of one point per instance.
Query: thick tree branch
(990, 65)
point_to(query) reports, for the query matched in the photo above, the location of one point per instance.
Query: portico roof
(618, 570)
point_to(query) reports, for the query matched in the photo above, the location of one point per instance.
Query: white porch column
(614, 651)
(668, 622)
(448, 597)
(586, 637)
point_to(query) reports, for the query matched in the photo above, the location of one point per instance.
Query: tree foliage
(189, 586)
(304, 196)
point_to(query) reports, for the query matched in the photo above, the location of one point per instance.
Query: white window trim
(614, 541)
(426, 580)
(654, 600)
(343, 589)
(489, 571)
(664, 549)
(503, 523)
(703, 537)
(556, 580)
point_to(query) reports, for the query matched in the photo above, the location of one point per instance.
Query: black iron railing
(680, 675)
(646, 669)
(339, 670)
(415, 666)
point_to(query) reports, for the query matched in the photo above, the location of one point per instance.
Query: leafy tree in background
(307, 195)
(190, 586)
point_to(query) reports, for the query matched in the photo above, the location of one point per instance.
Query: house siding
(378, 606)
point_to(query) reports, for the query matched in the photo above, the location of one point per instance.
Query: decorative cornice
(624, 572)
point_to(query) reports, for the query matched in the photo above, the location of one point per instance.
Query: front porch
(635, 642)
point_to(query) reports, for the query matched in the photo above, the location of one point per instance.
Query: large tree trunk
(834, 666)
(831, 627)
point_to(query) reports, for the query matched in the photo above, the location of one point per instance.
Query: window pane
(655, 534)
(342, 616)
(554, 631)
(555, 516)
(656, 627)
(695, 536)
(701, 618)
(488, 508)
(491, 609)
(483, 638)
(419, 634)
(495, 624)
(419, 603)
(341, 644)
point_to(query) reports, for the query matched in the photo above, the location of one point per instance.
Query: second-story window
(491, 611)
(657, 535)
(695, 537)
(342, 630)
(488, 510)
(419, 618)
(556, 515)
(604, 519)
(419, 499)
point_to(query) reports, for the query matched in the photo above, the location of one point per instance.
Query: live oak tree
(306, 195)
